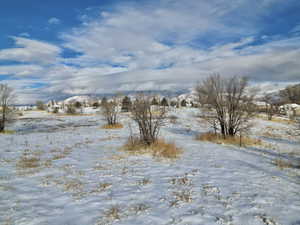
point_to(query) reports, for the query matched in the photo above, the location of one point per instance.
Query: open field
(69, 170)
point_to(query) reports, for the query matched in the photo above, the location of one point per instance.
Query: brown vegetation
(159, 148)
(113, 126)
(282, 164)
(225, 104)
(148, 120)
(229, 140)
(110, 111)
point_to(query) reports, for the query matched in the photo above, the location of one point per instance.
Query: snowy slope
(85, 179)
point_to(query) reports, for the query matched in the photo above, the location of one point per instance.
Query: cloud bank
(162, 45)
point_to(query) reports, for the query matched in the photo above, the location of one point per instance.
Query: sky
(60, 48)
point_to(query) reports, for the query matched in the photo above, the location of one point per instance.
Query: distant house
(291, 110)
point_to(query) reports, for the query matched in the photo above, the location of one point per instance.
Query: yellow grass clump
(229, 140)
(8, 132)
(160, 148)
(28, 162)
(113, 126)
(282, 164)
(276, 119)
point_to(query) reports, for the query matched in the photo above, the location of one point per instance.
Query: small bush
(159, 148)
(112, 126)
(230, 140)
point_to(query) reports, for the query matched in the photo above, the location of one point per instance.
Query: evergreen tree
(164, 102)
(154, 101)
(126, 104)
(183, 103)
(103, 101)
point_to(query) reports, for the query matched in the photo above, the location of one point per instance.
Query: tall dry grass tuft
(28, 162)
(159, 148)
(113, 126)
(229, 140)
(282, 164)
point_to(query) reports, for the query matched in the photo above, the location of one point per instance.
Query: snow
(81, 99)
(90, 180)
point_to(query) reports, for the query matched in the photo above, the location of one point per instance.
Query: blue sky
(50, 49)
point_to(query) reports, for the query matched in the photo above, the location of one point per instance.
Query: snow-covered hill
(78, 175)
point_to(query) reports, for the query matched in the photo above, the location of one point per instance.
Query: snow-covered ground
(84, 178)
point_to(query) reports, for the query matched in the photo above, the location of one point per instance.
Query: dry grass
(235, 140)
(101, 187)
(8, 132)
(181, 181)
(112, 126)
(143, 182)
(183, 196)
(282, 164)
(60, 154)
(73, 185)
(113, 213)
(139, 208)
(28, 162)
(160, 148)
(276, 119)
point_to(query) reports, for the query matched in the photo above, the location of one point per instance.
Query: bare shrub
(270, 107)
(110, 111)
(225, 103)
(6, 111)
(149, 120)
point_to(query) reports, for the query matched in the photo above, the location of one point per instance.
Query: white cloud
(31, 51)
(21, 70)
(54, 21)
(156, 46)
(24, 34)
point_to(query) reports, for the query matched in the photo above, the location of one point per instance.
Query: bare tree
(110, 111)
(126, 104)
(270, 107)
(6, 100)
(149, 121)
(230, 107)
